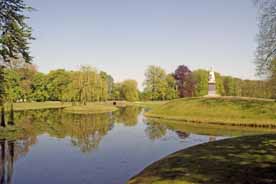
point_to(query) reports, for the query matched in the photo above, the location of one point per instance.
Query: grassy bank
(91, 108)
(249, 159)
(210, 129)
(149, 104)
(222, 111)
(37, 105)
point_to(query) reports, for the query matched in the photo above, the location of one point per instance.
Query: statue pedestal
(212, 89)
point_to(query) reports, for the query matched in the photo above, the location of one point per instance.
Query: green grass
(222, 111)
(149, 104)
(91, 108)
(210, 129)
(249, 159)
(37, 105)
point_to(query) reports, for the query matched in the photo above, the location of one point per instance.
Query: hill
(222, 110)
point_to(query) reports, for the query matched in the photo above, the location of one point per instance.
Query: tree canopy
(266, 50)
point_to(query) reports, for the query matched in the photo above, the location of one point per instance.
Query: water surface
(99, 149)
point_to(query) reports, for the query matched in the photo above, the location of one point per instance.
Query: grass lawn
(223, 111)
(91, 108)
(211, 129)
(249, 159)
(37, 105)
(149, 104)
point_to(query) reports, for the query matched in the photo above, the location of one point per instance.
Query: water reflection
(182, 135)
(125, 141)
(10, 152)
(155, 131)
(85, 131)
(128, 115)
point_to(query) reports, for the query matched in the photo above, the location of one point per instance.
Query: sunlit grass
(149, 104)
(249, 159)
(91, 108)
(211, 129)
(37, 105)
(230, 111)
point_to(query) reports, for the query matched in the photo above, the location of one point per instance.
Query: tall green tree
(109, 81)
(39, 88)
(129, 90)
(15, 34)
(57, 81)
(201, 82)
(116, 91)
(155, 83)
(266, 50)
(12, 85)
(171, 89)
(86, 85)
(26, 73)
(219, 84)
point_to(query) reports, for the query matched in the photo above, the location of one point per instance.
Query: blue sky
(123, 37)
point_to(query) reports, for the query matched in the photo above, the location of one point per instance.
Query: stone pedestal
(212, 89)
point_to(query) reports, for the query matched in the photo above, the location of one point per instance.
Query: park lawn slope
(91, 108)
(249, 159)
(222, 111)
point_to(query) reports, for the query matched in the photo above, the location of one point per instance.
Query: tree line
(23, 83)
(26, 84)
(186, 83)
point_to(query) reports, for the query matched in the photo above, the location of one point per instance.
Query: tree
(116, 91)
(184, 80)
(26, 73)
(232, 86)
(86, 85)
(272, 80)
(39, 88)
(200, 77)
(12, 85)
(266, 50)
(155, 83)
(15, 35)
(219, 84)
(57, 81)
(109, 81)
(129, 90)
(171, 89)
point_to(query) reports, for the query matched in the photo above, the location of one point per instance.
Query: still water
(107, 148)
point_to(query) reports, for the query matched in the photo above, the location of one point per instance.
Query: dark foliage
(184, 81)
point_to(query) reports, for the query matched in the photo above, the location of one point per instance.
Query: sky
(124, 37)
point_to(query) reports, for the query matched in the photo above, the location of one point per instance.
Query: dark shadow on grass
(246, 160)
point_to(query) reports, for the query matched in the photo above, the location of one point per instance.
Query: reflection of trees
(182, 135)
(155, 130)
(85, 131)
(11, 151)
(128, 115)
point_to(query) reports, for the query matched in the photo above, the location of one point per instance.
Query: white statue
(212, 78)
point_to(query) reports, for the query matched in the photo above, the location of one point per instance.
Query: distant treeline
(25, 83)
(186, 83)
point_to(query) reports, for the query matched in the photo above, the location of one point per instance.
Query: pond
(110, 148)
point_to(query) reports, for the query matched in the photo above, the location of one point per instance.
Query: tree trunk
(3, 123)
(10, 162)
(11, 121)
(3, 160)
